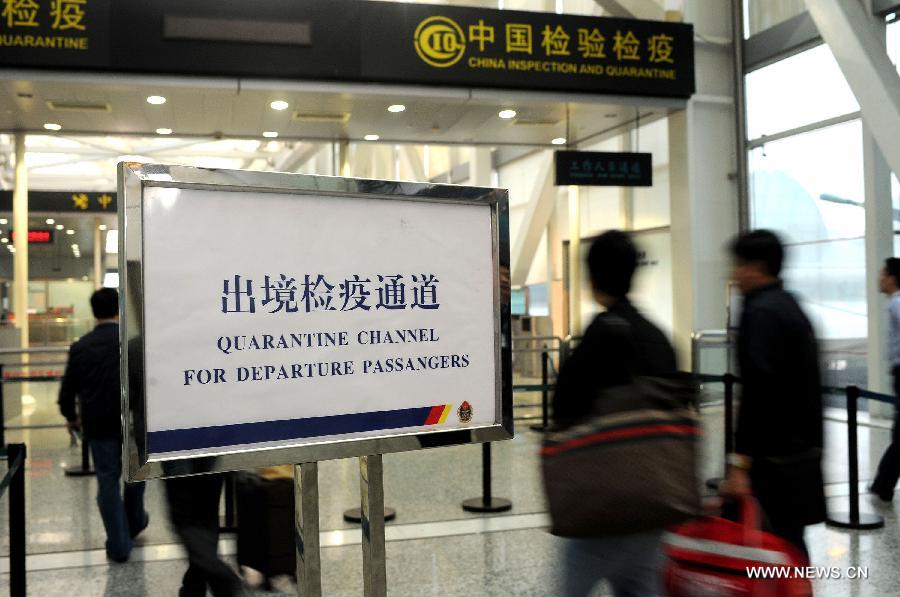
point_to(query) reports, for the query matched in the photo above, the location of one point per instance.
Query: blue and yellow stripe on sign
(199, 438)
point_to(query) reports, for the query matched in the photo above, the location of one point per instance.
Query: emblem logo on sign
(464, 412)
(440, 42)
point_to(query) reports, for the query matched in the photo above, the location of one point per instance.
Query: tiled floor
(467, 555)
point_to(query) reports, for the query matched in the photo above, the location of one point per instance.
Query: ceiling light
(163, 131)
(396, 108)
(4, 240)
(559, 141)
(59, 226)
(112, 242)
(507, 114)
(270, 134)
(51, 221)
(102, 226)
(4, 221)
(156, 100)
(12, 249)
(279, 105)
(52, 126)
(371, 137)
(70, 232)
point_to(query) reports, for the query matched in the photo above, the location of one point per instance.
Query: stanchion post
(486, 472)
(2, 411)
(17, 523)
(728, 378)
(853, 450)
(854, 519)
(487, 502)
(545, 394)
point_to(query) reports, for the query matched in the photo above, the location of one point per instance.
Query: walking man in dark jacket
(92, 374)
(778, 439)
(618, 345)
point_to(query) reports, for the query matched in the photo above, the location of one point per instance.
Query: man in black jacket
(778, 439)
(619, 344)
(92, 374)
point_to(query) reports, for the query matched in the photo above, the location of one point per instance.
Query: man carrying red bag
(778, 438)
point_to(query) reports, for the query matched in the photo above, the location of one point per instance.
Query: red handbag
(714, 556)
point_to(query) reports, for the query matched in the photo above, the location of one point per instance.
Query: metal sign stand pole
(371, 484)
(306, 529)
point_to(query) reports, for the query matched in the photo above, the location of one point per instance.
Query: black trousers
(790, 532)
(194, 510)
(889, 467)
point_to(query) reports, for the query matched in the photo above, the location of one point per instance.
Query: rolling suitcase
(265, 510)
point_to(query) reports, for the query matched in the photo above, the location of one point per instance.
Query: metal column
(574, 261)
(98, 255)
(20, 259)
(371, 484)
(740, 115)
(306, 525)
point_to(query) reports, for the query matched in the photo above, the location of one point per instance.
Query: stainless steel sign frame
(135, 178)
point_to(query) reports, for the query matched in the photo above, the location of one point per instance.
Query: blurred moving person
(889, 467)
(194, 510)
(618, 345)
(92, 374)
(778, 437)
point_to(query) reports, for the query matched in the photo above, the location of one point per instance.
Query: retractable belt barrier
(14, 480)
(486, 502)
(729, 380)
(853, 518)
(82, 470)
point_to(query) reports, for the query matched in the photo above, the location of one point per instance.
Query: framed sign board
(273, 318)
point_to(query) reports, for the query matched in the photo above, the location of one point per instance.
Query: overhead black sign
(504, 48)
(603, 169)
(55, 32)
(351, 40)
(56, 201)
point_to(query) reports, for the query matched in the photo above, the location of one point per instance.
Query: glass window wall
(799, 90)
(760, 15)
(809, 188)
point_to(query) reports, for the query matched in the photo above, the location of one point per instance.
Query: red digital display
(35, 236)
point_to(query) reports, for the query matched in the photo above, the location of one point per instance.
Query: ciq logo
(440, 42)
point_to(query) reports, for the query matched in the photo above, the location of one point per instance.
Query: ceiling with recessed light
(231, 124)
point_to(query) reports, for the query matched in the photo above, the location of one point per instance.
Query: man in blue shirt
(889, 467)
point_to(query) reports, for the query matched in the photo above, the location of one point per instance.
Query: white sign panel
(274, 320)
